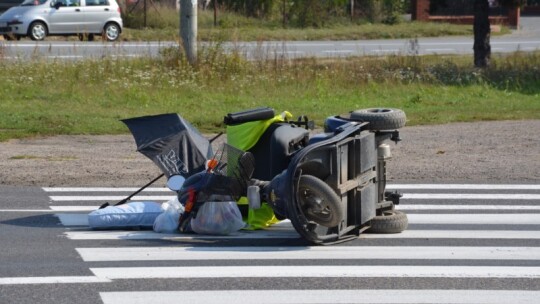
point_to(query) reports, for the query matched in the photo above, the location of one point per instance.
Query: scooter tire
(380, 118)
(319, 202)
(389, 222)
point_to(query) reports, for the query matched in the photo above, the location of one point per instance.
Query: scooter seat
(274, 149)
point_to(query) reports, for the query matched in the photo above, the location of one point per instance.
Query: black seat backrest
(274, 149)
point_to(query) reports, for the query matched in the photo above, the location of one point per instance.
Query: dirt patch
(505, 152)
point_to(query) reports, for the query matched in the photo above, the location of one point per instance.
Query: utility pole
(188, 28)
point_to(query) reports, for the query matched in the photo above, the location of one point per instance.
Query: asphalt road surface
(75, 50)
(527, 39)
(466, 243)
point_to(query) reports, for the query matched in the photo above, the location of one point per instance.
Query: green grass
(338, 32)
(163, 25)
(90, 97)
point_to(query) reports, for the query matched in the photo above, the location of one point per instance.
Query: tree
(482, 31)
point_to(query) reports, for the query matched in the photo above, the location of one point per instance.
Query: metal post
(188, 28)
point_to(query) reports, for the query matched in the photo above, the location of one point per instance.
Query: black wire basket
(231, 170)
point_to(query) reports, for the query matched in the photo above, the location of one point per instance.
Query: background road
(466, 243)
(526, 39)
(290, 49)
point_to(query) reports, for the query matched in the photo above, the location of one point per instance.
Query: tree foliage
(318, 13)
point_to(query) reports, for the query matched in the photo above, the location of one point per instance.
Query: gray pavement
(529, 27)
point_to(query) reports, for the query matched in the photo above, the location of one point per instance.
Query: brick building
(461, 12)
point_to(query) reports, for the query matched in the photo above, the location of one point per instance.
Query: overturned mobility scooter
(331, 185)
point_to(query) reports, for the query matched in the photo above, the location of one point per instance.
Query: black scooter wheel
(380, 118)
(319, 202)
(389, 222)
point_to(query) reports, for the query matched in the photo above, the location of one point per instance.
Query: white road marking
(348, 271)
(464, 186)
(291, 233)
(377, 296)
(434, 196)
(102, 189)
(27, 210)
(150, 235)
(475, 219)
(468, 207)
(338, 51)
(74, 219)
(471, 196)
(308, 253)
(386, 51)
(457, 234)
(51, 280)
(110, 198)
(73, 208)
(389, 186)
(440, 50)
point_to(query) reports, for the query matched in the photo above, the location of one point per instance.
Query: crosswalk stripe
(475, 219)
(406, 196)
(463, 186)
(291, 233)
(377, 296)
(466, 207)
(403, 207)
(102, 189)
(349, 271)
(74, 198)
(457, 234)
(51, 280)
(307, 253)
(389, 186)
(75, 219)
(150, 235)
(471, 196)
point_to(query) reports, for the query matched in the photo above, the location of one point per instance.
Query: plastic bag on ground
(217, 218)
(126, 216)
(167, 222)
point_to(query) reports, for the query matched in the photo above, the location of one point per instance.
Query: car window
(33, 2)
(96, 2)
(66, 2)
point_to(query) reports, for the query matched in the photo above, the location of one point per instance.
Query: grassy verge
(337, 32)
(163, 25)
(87, 97)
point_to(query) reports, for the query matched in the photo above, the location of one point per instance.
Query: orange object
(212, 164)
(191, 200)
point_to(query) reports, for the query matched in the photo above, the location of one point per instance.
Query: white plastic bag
(217, 218)
(168, 220)
(126, 216)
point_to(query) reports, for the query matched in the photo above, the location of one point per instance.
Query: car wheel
(319, 202)
(389, 222)
(111, 32)
(37, 31)
(380, 118)
(90, 37)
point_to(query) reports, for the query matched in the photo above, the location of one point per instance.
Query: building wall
(420, 12)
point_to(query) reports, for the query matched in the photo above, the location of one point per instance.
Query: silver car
(38, 19)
